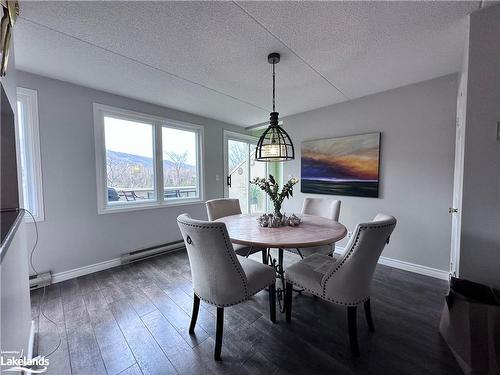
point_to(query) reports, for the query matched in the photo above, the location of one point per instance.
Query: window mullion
(158, 147)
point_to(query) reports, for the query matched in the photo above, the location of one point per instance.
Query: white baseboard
(76, 272)
(407, 266)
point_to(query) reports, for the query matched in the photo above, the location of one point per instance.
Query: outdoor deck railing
(132, 194)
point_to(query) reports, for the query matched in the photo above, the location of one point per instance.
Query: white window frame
(31, 146)
(100, 111)
(234, 136)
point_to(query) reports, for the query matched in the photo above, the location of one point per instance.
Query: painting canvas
(341, 166)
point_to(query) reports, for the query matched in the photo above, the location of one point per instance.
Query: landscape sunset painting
(341, 166)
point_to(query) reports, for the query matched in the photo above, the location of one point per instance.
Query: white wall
(480, 241)
(15, 311)
(416, 170)
(73, 235)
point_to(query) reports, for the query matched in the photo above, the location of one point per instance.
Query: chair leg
(353, 329)
(299, 252)
(218, 333)
(288, 302)
(368, 313)
(264, 256)
(194, 315)
(272, 302)
(281, 267)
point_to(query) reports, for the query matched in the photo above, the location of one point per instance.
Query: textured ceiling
(209, 58)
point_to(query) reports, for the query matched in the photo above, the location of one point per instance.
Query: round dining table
(244, 229)
(312, 231)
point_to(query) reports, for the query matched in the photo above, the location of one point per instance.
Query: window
(129, 160)
(240, 168)
(180, 171)
(29, 149)
(145, 161)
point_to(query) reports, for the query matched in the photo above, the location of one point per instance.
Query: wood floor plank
(53, 291)
(130, 285)
(182, 356)
(207, 313)
(71, 295)
(294, 354)
(113, 293)
(237, 348)
(180, 291)
(140, 302)
(175, 315)
(87, 284)
(51, 338)
(146, 350)
(136, 276)
(132, 370)
(83, 348)
(258, 364)
(151, 302)
(165, 279)
(47, 293)
(169, 275)
(115, 352)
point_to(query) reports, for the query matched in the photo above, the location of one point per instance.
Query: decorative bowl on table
(275, 221)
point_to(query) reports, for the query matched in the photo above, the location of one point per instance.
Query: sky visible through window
(135, 138)
(179, 141)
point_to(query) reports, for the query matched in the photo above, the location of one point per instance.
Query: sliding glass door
(240, 168)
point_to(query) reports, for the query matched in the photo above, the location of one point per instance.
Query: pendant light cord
(274, 88)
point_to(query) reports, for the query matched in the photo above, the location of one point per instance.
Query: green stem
(277, 208)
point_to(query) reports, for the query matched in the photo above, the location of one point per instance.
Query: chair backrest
(324, 207)
(218, 277)
(348, 280)
(217, 208)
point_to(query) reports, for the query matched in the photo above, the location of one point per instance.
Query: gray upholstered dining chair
(345, 281)
(324, 207)
(217, 208)
(220, 276)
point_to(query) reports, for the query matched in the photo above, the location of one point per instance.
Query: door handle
(452, 210)
(229, 180)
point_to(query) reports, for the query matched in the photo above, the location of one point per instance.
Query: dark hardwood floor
(134, 319)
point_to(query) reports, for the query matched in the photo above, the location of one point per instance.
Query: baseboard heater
(152, 251)
(40, 280)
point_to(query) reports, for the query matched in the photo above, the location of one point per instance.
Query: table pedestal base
(277, 264)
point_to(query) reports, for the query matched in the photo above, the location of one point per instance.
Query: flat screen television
(9, 194)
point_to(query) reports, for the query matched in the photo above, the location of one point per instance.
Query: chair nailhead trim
(234, 303)
(353, 247)
(323, 295)
(232, 255)
(352, 303)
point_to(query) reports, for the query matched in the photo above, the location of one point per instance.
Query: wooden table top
(313, 231)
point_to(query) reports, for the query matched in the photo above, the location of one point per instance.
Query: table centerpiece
(272, 189)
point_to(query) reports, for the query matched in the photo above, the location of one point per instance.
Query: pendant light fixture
(274, 144)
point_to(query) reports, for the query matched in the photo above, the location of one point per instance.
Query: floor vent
(40, 280)
(153, 251)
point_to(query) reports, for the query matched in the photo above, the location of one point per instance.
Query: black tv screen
(9, 197)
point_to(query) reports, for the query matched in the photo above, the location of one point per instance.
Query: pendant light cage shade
(274, 145)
